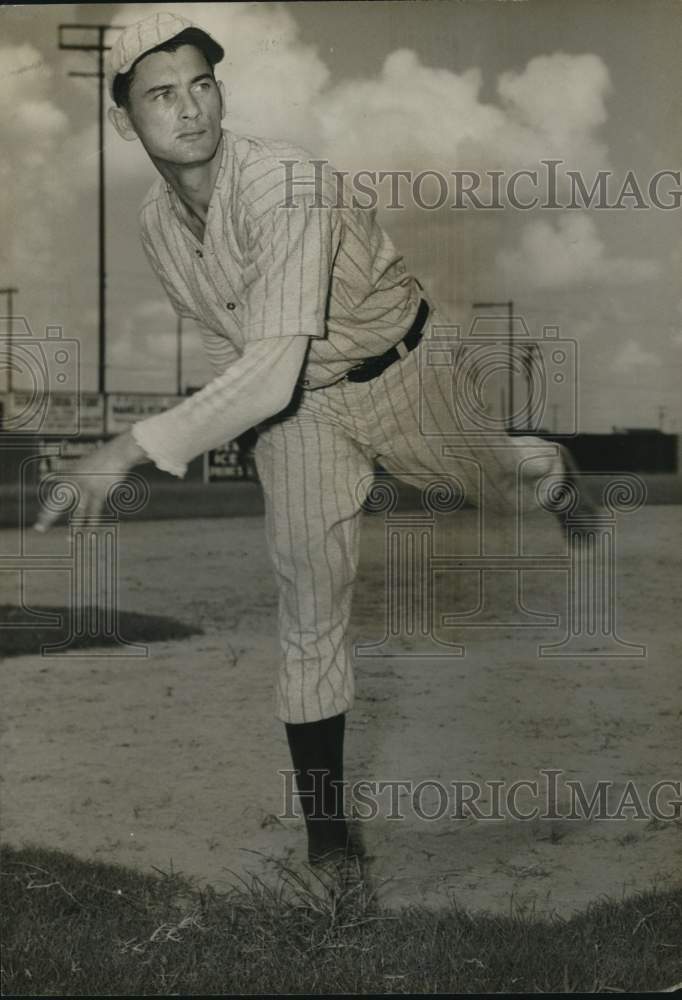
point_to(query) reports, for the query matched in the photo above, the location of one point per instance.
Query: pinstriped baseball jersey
(332, 275)
(281, 256)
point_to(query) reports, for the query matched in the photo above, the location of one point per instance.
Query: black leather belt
(372, 367)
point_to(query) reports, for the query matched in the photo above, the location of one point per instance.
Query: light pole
(10, 293)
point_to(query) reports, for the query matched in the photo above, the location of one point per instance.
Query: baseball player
(315, 330)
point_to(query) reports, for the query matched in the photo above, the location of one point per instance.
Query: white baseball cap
(143, 36)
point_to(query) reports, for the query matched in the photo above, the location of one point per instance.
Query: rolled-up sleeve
(289, 273)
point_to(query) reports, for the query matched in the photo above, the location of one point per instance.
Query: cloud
(31, 126)
(407, 116)
(389, 122)
(575, 85)
(632, 358)
(412, 115)
(568, 254)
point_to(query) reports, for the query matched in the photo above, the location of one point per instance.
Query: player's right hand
(94, 475)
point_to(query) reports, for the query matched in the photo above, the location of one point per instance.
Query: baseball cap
(143, 36)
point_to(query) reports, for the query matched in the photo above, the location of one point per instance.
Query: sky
(437, 85)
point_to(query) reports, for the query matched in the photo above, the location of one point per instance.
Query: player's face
(176, 106)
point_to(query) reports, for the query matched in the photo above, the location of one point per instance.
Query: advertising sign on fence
(25, 411)
(125, 409)
(228, 462)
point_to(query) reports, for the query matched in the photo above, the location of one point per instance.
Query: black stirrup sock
(317, 755)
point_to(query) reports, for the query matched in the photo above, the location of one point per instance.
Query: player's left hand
(94, 475)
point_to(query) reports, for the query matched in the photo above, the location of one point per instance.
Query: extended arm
(257, 386)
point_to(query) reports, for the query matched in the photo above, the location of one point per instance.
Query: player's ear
(221, 91)
(120, 119)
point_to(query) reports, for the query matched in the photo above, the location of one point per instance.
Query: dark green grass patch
(76, 928)
(18, 636)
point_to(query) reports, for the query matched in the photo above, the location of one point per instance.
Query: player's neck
(193, 182)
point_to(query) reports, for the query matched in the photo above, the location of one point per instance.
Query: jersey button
(231, 305)
(199, 253)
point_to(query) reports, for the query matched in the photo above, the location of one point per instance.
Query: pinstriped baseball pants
(316, 466)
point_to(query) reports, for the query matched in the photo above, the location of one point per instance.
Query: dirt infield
(171, 759)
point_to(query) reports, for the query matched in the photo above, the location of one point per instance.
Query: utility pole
(97, 34)
(9, 292)
(509, 306)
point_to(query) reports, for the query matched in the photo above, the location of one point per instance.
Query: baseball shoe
(339, 839)
(340, 873)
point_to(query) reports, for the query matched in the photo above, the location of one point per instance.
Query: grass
(17, 639)
(71, 927)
